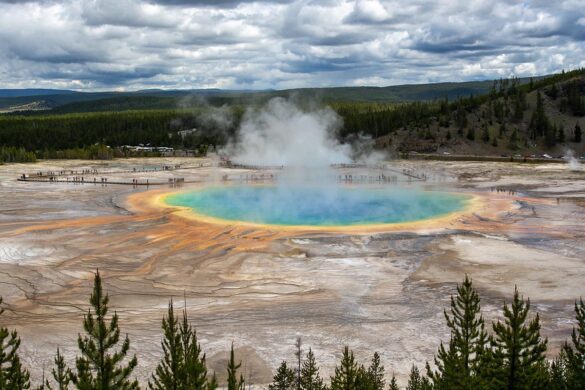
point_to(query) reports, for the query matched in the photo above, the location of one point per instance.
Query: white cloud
(131, 13)
(369, 11)
(525, 69)
(132, 44)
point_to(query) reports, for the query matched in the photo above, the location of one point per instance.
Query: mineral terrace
(262, 287)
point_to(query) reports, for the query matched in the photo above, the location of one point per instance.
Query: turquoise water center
(317, 206)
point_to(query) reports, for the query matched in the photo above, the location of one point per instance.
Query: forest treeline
(502, 115)
(79, 130)
(12, 154)
(508, 355)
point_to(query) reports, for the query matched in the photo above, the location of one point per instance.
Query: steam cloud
(220, 118)
(304, 141)
(574, 164)
(281, 133)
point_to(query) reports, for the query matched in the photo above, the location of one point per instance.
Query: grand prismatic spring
(318, 206)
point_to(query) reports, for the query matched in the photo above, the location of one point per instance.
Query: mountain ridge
(53, 99)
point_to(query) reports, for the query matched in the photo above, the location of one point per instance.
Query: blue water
(316, 206)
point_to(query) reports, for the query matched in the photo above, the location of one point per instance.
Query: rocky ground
(261, 288)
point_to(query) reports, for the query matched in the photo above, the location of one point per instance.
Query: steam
(574, 164)
(281, 133)
(303, 138)
(219, 118)
(363, 151)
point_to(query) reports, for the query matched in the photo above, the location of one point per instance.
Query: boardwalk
(95, 176)
(150, 176)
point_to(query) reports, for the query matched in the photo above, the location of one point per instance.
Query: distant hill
(64, 101)
(397, 93)
(513, 116)
(10, 93)
(543, 117)
(38, 105)
(53, 100)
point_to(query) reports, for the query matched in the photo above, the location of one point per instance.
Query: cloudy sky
(136, 44)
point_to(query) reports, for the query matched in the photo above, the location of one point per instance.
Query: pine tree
(99, 366)
(12, 374)
(561, 137)
(458, 365)
(170, 372)
(194, 365)
(284, 379)
(485, 136)
(577, 134)
(416, 381)
(513, 143)
(553, 92)
(310, 378)
(461, 116)
(183, 364)
(471, 134)
(375, 373)
(539, 123)
(575, 352)
(232, 369)
(558, 374)
(363, 381)
(346, 374)
(428, 135)
(44, 383)
(299, 356)
(518, 350)
(519, 107)
(18, 376)
(393, 384)
(212, 383)
(550, 135)
(62, 375)
(574, 99)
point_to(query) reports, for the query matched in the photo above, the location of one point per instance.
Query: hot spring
(317, 206)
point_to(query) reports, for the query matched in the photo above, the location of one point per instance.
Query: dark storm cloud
(89, 44)
(339, 39)
(449, 39)
(124, 13)
(314, 65)
(562, 25)
(104, 76)
(442, 45)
